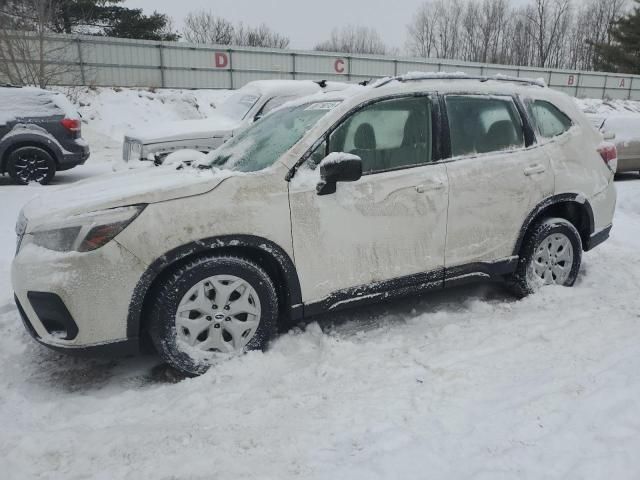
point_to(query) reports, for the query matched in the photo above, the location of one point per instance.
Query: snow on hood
(120, 189)
(214, 126)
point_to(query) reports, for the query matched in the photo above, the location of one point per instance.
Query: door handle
(422, 188)
(534, 169)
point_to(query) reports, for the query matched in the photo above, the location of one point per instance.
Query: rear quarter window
(19, 103)
(548, 119)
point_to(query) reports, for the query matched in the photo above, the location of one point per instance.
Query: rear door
(385, 230)
(496, 177)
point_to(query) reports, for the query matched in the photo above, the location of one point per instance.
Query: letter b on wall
(221, 60)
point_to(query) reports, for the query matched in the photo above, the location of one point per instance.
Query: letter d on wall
(222, 60)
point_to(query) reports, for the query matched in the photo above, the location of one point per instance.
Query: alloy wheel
(552, 260)
(218, 314)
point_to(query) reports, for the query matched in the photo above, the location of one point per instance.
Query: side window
(483, 124)
(387, 135)
(550, 121)
(317, 155)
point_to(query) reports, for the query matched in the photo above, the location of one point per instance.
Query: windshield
(238, 104)
(261, 144)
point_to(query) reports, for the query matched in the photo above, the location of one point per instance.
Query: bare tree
(422, 32)
(352, 39)
(260, 36)
(205, 27)
(549, 19)
(545, 33)
(27, 57)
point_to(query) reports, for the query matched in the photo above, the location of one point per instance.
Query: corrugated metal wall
(104, 61)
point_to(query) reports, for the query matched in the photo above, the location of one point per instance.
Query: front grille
(126, 149)
(131, 150)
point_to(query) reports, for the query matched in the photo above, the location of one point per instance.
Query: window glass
(387, 135)
(239, 103)
(317, 155)
(262, 143)
(483, 124)
(550, 121)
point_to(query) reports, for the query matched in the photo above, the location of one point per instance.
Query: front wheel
(551, 255)
(30, 165)
(210, 309)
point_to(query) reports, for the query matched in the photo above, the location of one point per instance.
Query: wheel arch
(27, 140)
(270, 256)
(570, 206)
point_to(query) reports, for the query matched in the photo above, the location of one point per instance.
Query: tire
(30, 165)
(558, 263)
(191, 332)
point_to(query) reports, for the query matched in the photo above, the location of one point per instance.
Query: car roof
(273, 88)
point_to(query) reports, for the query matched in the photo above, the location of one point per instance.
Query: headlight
(85, 232)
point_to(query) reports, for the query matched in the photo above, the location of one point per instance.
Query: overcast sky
(305, 22)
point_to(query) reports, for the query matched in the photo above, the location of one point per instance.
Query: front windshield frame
(261, 144)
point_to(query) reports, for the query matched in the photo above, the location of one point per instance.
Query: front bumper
(94, 289)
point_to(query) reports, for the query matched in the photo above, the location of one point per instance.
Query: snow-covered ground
(468, 383)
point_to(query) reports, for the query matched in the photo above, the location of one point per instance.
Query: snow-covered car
(240, 109)
(415, 183)
(40, 133)
(624, 128)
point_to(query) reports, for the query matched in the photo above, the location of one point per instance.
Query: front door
(390, 225)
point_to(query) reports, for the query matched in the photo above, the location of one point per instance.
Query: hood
(214, 126)
(148, 185)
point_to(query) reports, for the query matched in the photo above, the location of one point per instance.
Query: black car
(39, 134)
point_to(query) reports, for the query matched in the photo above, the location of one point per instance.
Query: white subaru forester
(410, 184)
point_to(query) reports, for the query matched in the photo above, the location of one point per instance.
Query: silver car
(240, 109)
(626, 128)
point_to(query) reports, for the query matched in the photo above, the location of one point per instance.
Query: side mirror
(338, 167)
(609, 135)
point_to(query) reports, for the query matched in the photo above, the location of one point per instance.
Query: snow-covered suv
(411, 184)
(40, 133)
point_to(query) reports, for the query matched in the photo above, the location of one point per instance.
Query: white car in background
(242, 108)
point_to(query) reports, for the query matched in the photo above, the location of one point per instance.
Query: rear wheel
(551, 255)
(211, 309)
(30, 165)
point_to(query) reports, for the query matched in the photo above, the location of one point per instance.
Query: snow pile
(115, 111)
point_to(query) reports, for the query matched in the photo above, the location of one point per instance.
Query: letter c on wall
(339, 65)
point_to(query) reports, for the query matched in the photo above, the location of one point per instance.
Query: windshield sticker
(323, 106)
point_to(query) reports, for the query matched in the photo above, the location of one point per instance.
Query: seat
(500, 136)
(414, 143)
(365, 147)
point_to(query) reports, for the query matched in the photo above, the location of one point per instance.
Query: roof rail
(419, 76)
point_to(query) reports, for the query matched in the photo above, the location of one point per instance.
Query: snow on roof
(27, 102)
